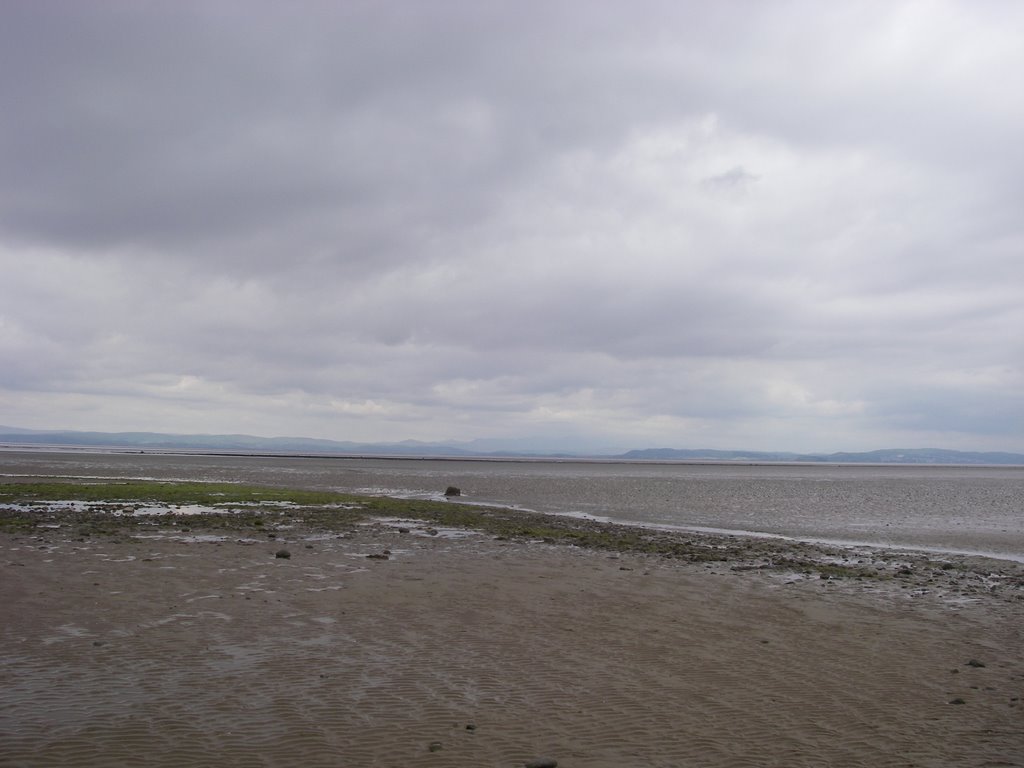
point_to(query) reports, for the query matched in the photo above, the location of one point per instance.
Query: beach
(182, 649)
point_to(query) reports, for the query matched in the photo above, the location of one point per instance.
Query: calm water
(964, 509)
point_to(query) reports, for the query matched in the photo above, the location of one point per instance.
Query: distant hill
(156, 441)
(885, 456)
(694, 454)
(928, 456)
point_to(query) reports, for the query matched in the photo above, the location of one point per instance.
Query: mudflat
(191, 650)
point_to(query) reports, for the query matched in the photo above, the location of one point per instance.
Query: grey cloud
(698, 220)
(190, 124)
(736, 178)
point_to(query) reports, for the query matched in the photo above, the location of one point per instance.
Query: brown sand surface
(474, 652)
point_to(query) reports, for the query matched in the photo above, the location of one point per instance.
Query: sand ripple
(235, 658)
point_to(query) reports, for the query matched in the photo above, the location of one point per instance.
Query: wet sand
(471, 651)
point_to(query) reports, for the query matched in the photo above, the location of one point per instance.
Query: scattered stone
(451, 490)
(309, 546)
(430, 531)
(379, 556)
(542, 762)
(98, 643)
(403, 530)
(470, 726)
(975, 663)
(283, 554)
(435, 746)
(957, 701)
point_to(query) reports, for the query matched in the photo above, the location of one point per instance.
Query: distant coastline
(12, 438)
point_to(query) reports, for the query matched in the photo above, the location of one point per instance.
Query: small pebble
(284, 554)
(542, 762)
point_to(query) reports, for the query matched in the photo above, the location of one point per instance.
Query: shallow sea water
(959, 509)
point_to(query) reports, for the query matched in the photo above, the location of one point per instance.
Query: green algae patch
(163, 492)
(110, 507)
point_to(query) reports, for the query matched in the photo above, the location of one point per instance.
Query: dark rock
(283, 554)
(435, 746)
(957, 701)
(470, 726)
(379, 556)
(403, 530)
(451, 490)
(430, 531)
(542, 762)
(975, 663)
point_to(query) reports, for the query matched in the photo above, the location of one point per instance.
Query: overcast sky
(766, 225)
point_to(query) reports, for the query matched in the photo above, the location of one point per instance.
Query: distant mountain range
(160, 442)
